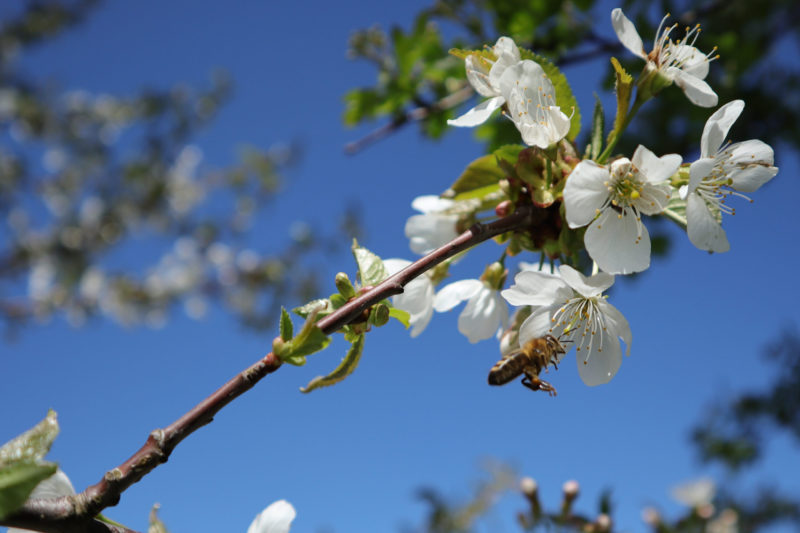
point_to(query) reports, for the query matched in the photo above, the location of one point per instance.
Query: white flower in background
(531, 104)
(486, 81)
(417, 296)
(276, 518)
(743, 166)
(434, 227)
(572, 308)
(55, 486)
(485, 313)
(679, 62)
(696, 493)
(613, 200)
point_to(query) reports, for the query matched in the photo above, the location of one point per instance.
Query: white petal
(599, 364)
(481, 317)
(523, 74)
(683, 191)
(618, 245)
(585, 192)
(703, 229)
(507, 56)
(627, 34)
(692, 61)
(478, 114)
(478, 77)
(55, 486)
(696, 493)
(750, 178)
(430, 203)
(506, 46)
(616, 324)
(538, 324)
(553, 127)
(586, 287)
(453, 294)
(698, 171)
(393, 266)
(654, 198)
(274, 519)
(655, 169)
(536, 288)
(419, 322)
(696, 90)
(717, 127)
(428, 232)
(416, 298)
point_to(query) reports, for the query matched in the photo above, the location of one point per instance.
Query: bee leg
(533, 382)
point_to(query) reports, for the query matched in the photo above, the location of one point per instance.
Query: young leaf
(564, 97)
(598, 125)
(624, 88)
(17, 481)
(32, 445)
(309, 340)
(287, 330)
(156, 525)
(485, 171)
(321, 306)
(345, 368)
(401, 316)
(370, 267)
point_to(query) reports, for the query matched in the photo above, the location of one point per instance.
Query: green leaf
(345, 368)
(485, 171)
(32, 445)
(156, 525)
(564, 97)
(624, 88)
(478, 193)
(309, 340)
(287, 330)
(370, 267)
(18, 480)
(322, 306)
(598, 125)
(402, 316)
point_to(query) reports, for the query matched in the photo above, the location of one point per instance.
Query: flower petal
(703, 229)
(274, 519)
(478, 114)
(393, 266)
(478, 77)
(429, 231)
(553, 126)
(507, 54)
(430, 203)
(536, 288)
(627, 34)
(655, 169)
(585, 192)
(453, 294)
(717, 127)
(586, 287)
(481, 317)
(696, 90)
(616, 324)
(538, 324)
(598, 364)
(619, 244)
(698, 171)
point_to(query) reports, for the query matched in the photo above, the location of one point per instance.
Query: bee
(534, 356)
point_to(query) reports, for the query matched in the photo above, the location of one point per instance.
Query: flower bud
(379, 315)
(503, 209)
(344, 286)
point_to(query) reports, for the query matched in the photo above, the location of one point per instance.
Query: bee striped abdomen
(508, 368)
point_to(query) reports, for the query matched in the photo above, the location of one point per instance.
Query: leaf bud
(344, 286)
(379, 315)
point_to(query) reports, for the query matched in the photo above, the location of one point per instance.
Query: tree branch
(75, 514)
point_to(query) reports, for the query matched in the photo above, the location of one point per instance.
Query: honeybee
(533, 357)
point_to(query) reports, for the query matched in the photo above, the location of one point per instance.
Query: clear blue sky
(416, 412)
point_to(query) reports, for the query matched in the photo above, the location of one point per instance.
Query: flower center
(580, 320)
(667, 53)
(625, 187)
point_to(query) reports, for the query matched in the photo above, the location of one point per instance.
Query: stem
(613, 142)
(75, 514)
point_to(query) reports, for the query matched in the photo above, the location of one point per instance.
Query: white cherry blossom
(417, 297)
(531, 104)
(722, 170)
(612, 200)
(434, 227)
(572, 308)
(679, 62)
(486, 81)
(276, 518)
(485, 313)
(55, 486)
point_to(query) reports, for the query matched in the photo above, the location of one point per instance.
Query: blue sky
(417, 411)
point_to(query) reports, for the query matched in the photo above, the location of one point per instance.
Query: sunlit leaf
(370, 267)
(345, 368)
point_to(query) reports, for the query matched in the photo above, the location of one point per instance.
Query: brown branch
(75, 514)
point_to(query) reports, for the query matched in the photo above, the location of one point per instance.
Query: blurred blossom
(434, 227)
(416, 298)
(41, 279)
(54, 159)
(8, 103)
(485, 314)
(196, 307)
(91, 210)
(300, 231)
(726, 522)
(247, 260)
(92, 284)
(219, 254)
(276, 518)
(695, 493)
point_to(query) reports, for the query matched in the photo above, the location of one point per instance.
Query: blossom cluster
(604, 201)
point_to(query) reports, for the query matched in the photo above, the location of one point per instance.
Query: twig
(75, 514)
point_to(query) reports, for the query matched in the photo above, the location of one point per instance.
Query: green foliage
(482, 174)
(401, 316)
(286, 327)
(155, 524)
(22, 466)
(598, 126)
(309, 340)
(370, 267)
(345, 368)
(624, 89)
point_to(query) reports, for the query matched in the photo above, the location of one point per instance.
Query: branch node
(157, 435)
(113, 475)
